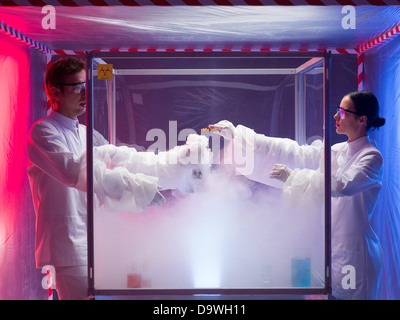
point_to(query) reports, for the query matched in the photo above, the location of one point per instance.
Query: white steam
(229, 233)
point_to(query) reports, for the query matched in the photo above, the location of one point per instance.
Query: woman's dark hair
(366, 104)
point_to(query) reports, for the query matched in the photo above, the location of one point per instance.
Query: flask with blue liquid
(301, 268)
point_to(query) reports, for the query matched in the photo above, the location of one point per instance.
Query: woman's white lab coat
(356, 182)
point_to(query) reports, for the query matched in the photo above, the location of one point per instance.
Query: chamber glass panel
(222, 230)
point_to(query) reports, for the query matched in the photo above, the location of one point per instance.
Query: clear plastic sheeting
(383, 78)
(212, 27)
(20, 107)
(228, 230)
(152, 258)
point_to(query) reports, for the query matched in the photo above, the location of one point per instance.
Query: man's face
(69, 103)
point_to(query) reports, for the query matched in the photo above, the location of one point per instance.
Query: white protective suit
(356, 182)
(124, 180)
(116, 169)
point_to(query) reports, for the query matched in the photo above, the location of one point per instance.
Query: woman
(356, 182)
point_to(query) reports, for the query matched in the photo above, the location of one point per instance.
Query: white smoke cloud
(229, 233)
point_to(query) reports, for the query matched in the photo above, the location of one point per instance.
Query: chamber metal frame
(316, 59)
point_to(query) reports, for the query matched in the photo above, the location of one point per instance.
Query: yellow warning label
(104, 71)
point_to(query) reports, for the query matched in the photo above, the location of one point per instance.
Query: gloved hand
(280, 172)
(158, 199)
(224, 128)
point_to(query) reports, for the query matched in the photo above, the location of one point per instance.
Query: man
(56, 149)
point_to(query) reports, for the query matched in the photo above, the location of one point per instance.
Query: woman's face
(350, 124)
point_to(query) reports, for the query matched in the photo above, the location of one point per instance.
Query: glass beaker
(301, 267)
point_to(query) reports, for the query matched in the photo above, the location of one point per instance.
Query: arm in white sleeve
(122, 156)
(170, 167)
(306, 187)
(262, 153)
(147, 163)
(116, 188)
(361, 175)
(119, 190)
(47, 150)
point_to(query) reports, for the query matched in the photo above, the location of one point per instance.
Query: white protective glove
(223, 128)
(280, 172)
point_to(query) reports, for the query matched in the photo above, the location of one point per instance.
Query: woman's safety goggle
(342, 112)
(78, 86)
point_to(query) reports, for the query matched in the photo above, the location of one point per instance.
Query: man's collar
(63, 120)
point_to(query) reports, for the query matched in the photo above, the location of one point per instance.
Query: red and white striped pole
(360, 68)
(50, 290)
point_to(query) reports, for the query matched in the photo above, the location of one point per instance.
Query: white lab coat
(123, 180)
(56, 148)
(172, 168)
(356, 182)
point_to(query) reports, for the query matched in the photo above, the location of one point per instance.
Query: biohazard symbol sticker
(105, 71)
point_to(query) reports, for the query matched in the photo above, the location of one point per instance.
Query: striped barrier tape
(22, 38)
(76, 3)
(359, 51)
(334, 51)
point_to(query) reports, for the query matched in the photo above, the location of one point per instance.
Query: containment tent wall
(382, 69)
(22, 102)
(311, 28)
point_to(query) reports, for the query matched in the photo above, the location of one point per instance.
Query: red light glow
(14, 126)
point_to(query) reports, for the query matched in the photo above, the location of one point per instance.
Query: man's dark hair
(58, 70)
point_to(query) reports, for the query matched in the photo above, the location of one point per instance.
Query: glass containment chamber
(222, 230)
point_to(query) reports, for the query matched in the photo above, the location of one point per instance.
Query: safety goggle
(342, 112)
(78, 86)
